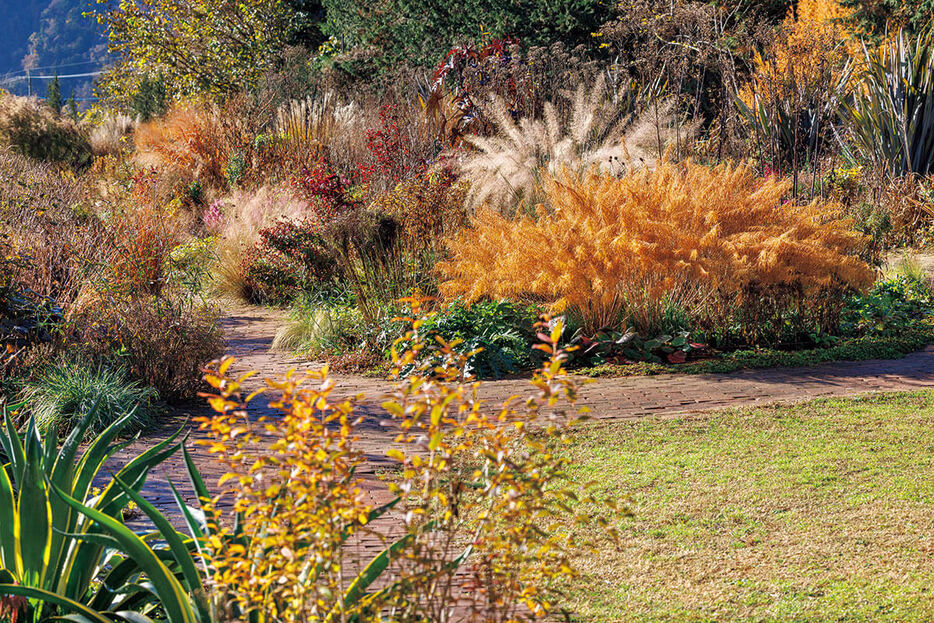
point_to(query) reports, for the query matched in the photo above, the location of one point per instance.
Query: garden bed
(854, 349)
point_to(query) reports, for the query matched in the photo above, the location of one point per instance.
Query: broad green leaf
(171, 595)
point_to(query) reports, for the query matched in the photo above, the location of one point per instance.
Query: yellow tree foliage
(813, 44)
(606, 245)
(481, 495)
(198, 47)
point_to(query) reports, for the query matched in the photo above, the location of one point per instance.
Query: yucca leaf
(370, 574)
(52, 598)
(132, 617)
(134, 473)
(94, 458)
(12, 447)
(8, 522)
(63, 468)
(34, 518)
(178, 548)
(64, 520)
(194, 475)
(166, 587)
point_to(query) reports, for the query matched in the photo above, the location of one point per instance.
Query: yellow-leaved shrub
(481, 528)
(715, 241)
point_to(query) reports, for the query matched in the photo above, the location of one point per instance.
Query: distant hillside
(49, 36)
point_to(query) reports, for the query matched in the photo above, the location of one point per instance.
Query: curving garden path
(250, 331)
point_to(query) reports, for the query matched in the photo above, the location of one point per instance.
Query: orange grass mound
(604, 244)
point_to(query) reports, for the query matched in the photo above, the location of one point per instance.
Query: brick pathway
(250, 332)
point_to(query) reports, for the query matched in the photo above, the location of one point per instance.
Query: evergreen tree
(53, 95)
(72, 106)
(149, 100)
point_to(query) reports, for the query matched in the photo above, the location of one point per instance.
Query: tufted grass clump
(62, 394)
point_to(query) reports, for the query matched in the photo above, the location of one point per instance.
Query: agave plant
(51, 549)
(893, 110)
(108, 572)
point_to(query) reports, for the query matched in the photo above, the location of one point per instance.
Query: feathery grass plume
(592, 129)
(244, 215)
(107, 136)
(306, 129)
(314, 120)
(616, 249)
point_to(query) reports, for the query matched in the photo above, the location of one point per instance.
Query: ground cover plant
(810, 512)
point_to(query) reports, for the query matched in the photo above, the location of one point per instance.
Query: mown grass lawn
(816, 512)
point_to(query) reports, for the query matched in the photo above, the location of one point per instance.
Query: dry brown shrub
(41, 214)
(35, 130)
(428, 207)
(163, 341)
(188, 139)
(611, 247)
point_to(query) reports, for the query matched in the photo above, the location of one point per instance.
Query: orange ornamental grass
(617, 248)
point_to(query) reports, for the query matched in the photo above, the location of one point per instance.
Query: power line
(23, 71)
(31, 77)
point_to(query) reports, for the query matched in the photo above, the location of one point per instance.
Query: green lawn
(816, 512)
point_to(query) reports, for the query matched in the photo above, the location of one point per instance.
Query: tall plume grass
(599, 129)
(107, 137)
(306, 129)
(244, 215)
(614, 249)
(315, 120)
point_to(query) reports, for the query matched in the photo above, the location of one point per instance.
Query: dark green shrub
(419, 32)
(890, 307)
(150, 98)
(499, 333)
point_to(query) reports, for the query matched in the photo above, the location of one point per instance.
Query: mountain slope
(49, 36)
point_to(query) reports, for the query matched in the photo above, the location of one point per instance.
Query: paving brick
(250, 332)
